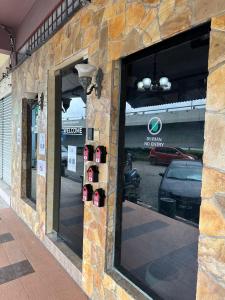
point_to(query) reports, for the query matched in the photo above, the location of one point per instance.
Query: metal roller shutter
(1, 138)
(6, 133)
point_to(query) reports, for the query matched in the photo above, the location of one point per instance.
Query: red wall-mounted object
(99, 198)
(87, 192)
(100, 154)
(88, 153)
(93, 174)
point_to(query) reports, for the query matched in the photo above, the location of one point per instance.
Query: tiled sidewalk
(27, 269)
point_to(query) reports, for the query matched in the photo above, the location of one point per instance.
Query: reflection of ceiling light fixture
(153, 85)
(65, 104)
(90, 78)
(32, 99)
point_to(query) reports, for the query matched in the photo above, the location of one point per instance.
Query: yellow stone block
(89, 36)
(208, 289)
(212, 217)
(134, 14)
(116, 27)
(212, 182)
(218, 23)
(216, 90)
(115, 50)
(148, 19)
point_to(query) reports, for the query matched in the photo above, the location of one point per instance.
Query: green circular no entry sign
(154, 126)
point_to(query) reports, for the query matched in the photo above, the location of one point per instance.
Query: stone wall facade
(109, 30)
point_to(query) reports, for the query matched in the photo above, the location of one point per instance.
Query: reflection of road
(150, 181)
(80, 169)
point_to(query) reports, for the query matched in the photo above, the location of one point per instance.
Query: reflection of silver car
(64, 155)
(180, 189)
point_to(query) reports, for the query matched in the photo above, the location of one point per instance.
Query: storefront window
(160, 165)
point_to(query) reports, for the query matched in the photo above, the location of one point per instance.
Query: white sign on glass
(42, 143)
(41, 167)
(72, 158)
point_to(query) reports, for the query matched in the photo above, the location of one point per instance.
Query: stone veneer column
(211, 276)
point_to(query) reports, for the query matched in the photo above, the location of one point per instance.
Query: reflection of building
(188, 123)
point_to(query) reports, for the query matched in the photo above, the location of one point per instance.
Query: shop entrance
(71, 131)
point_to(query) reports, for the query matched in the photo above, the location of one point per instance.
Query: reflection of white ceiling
(69, 82)
(181, 105)
(71, 86)
(3, 58)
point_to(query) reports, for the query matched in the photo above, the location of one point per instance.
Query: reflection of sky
(76, 109)
(172, 106)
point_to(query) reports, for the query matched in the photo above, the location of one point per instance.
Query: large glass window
(160, 165)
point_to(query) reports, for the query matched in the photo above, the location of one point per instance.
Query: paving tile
(4, 260)
(39, 284)
(6, 237)
(15, 271)
(13, 252)
(49, 281)
(13, 290)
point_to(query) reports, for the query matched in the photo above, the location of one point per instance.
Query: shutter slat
(5, 139)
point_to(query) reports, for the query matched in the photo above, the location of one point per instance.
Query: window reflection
(72, 165)
(162, 168)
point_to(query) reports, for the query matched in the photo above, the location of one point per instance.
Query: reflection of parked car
(164, 155)
(64, 155)
(180, 189)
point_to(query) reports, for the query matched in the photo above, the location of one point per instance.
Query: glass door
(72, 139)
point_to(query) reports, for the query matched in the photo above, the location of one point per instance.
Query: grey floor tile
(15, 271)
(6, 237)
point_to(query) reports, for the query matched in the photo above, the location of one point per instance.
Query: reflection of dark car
(180, 189)
(164, 155)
